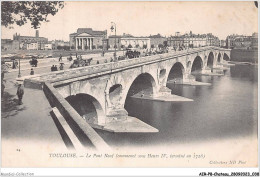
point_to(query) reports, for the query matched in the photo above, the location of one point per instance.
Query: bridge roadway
(107, 86)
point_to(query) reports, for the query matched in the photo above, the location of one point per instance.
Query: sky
(147, 18)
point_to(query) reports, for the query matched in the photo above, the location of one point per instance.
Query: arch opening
(226, 57)
(188, 64)
(176, 73)
(197, 65)
(219, 57)
(162, 73)
(143, 85)
(86, 106)
(210, 60)
(115, 94)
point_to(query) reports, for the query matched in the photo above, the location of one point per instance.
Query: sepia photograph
(134, 84)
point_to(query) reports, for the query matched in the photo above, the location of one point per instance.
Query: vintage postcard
(129, 84)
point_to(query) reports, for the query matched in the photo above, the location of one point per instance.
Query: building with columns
(87, 39)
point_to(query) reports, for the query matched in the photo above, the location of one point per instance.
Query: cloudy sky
(145, 18)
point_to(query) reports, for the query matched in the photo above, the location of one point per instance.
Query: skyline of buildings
(236, 41)
(193, 40)
(89, 39)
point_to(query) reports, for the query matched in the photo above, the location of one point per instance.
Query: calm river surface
(226, 109)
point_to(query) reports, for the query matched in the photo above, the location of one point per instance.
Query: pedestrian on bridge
(35, 62)
(55, 68)
(61, 66)
(32, 71)
(60, 59)
(52, 68)
(20, 93)
(14, 64)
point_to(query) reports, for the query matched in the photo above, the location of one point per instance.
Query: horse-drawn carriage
(132, 53)
(33, 61)
(81, 62)
(69, 58)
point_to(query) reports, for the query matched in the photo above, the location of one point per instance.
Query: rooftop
(88, 31)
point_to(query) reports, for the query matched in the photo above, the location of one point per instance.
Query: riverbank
(242, 63)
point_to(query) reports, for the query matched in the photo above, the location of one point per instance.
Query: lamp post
(112, 28)
(19, 73)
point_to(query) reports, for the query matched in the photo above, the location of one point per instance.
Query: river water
(226, 109)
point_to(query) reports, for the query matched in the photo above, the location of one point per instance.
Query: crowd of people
(54, 68)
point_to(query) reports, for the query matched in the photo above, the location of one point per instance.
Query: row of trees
(93, 47)
(63, 47)
(160, 46)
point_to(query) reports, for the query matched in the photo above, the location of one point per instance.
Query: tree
(20, 12)
(160, 46)
(4, 69)
(165, 43)
(59, 47)
(66, 47)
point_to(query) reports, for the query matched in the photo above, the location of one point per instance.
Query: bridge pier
(117, 120)
(164, 91)
(188, 78)
(116, 114)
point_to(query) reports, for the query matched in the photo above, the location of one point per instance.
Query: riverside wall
(244, 55)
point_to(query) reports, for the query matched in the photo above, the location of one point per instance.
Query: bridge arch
(188, 64)
(142, 85)
(197, 64)
(219, 57)
(162, 74)
(226, 57)
(176, 72)
(210, 61)
(115, 92)
(88, 107)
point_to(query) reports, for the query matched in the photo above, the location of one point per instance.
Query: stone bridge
(104, 88)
